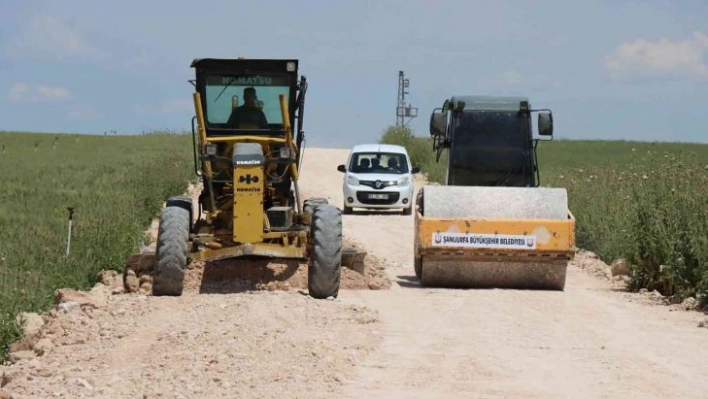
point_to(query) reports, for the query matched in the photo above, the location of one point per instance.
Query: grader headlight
(284, 152)
(210, 149)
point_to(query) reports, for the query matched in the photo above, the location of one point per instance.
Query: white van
(378, 176)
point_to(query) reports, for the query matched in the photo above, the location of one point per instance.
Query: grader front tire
(172, 245)
(325, 266)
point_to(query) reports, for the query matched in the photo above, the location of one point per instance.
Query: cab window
(224, 93)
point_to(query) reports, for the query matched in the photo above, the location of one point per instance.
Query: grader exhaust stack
(490, 225)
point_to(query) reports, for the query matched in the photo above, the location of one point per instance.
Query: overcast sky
(608, 69)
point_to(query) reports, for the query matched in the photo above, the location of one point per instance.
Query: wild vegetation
(116, 185)
(645, 202)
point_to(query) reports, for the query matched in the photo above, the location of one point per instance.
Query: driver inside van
(375, 163)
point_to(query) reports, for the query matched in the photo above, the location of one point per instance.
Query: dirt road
(589, 341)
(403, 342)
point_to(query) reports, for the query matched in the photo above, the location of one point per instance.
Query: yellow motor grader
(247, 154)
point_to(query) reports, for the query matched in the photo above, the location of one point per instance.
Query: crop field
(116, 185)
(645, 202)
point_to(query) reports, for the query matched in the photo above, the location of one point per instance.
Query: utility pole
(404, 110)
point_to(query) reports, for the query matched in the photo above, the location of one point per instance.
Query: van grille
(372, 184)
(363, 197)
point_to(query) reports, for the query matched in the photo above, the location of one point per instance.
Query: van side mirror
(341, 168)
(545, 124)
(415, 170)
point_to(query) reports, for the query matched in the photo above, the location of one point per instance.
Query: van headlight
(404, 181)
(352, 180)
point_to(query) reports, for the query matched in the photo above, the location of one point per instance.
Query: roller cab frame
(247, 135)
(490, 146)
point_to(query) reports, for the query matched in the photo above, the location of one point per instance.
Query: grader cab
(247, 135)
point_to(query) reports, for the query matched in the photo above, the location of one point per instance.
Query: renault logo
(378, 184)
(248, 179)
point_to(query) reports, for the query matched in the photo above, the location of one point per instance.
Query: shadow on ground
(407, 281)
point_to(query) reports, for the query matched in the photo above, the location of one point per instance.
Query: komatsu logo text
(247, 80)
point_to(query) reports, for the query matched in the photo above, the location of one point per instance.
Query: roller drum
(468, 269)
(495, 202)
(494, 274)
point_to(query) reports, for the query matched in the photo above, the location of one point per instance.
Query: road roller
(490, 224)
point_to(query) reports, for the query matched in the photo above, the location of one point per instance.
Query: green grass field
(641, 201)
(116, 185)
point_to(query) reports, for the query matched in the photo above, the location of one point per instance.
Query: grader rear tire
(325, 266)
(419, 201)
(172, 245)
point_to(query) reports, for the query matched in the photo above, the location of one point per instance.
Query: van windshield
(379, 162)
